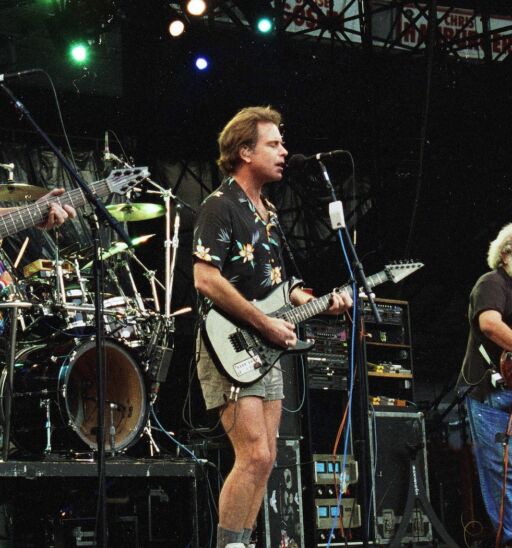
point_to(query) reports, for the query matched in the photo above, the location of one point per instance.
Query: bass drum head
(125, 396)
(58, 382)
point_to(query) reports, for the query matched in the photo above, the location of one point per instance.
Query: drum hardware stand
(14, 292)
(48, 425)
(153, 447)
(112, 430)
(151, 276)
(14, 307)
(10, 170)
(115, 280)
(417, 493)
(136, 294)
(101, 215)
(81, 282)
(167, 196)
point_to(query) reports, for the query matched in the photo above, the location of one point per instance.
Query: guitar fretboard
(31, 215)
(317, 306)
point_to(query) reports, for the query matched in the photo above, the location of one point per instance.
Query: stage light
(196, 7)
(201, 63)
(79, 52)
(264, 25)
(176, 28)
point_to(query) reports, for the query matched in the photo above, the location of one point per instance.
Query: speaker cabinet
(395, 437)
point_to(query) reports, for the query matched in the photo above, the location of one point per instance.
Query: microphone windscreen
(297, 161)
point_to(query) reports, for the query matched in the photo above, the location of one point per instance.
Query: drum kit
(48, 383)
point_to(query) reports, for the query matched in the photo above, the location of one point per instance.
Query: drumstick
(22, 251)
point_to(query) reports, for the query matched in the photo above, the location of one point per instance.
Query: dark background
(376, 105)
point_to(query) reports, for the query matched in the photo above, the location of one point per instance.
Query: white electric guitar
(244, 356)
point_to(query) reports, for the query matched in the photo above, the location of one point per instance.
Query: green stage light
(264, 25)
(79, 53)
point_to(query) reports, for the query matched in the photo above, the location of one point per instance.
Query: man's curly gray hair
(501, 245)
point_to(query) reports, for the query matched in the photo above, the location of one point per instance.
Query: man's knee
(258, 462)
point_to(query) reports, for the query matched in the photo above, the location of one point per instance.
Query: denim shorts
(485, 421)
(217, 389)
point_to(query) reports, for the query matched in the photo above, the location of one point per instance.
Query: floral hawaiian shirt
(230, 234)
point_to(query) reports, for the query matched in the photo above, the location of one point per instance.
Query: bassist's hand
(57, 214)
(279, 332)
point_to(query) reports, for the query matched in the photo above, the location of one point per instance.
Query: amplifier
(395, 433)
(390, 313)
(330, 337)
(327, 363)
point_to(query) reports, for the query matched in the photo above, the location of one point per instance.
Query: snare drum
(63, 377)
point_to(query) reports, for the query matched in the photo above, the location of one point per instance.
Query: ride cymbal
(135, 212)
(19, 192)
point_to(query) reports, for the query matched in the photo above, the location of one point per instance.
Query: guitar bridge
(242, 340)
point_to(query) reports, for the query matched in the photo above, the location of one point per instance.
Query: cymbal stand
(170, 265)
(167, 196)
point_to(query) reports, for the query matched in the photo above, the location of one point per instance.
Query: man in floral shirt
(238, 258)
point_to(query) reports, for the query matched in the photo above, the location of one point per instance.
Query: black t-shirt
(230, 234)
(492, 291)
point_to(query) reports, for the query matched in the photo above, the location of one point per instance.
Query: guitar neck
(34, 214)
(318, 306)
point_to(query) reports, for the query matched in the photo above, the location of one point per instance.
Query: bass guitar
(119, 181)
(244, 356)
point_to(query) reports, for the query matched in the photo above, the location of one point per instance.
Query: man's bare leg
(247, 422)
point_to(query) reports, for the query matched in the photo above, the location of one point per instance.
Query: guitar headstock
(400, 270)
(120, 181)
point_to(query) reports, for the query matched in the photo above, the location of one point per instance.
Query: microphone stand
(363, 443)
(100, 216)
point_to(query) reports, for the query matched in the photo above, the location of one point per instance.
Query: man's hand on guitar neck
(57, 214)
(340, 301)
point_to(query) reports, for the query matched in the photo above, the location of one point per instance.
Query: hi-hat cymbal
(135, 212)
(120, 247)
(19, 192)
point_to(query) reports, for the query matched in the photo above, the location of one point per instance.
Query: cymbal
(19, 192)
(135, 212)
(120, 247)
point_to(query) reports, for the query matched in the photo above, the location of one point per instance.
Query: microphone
(106, 151)
(298, 161)
(11, 75)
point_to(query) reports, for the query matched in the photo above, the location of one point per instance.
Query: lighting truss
(473, 31)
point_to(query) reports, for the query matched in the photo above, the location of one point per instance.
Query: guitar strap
(496, 379)
(288, 249)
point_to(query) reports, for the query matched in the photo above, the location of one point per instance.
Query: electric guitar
(119, 181)
(244, 356)
(506, 367)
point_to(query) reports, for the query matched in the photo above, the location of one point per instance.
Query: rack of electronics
(335, 514)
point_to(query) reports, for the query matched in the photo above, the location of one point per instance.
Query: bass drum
(61, 377)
